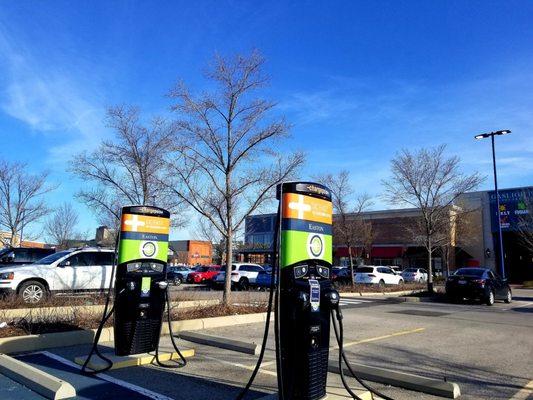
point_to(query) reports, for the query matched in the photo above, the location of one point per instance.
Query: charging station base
(333, 393)
(132, 360)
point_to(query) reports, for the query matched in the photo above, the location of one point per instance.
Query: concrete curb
(221, 342)
(45, 384)
(17, 344)
(401, 379)
(97, 309)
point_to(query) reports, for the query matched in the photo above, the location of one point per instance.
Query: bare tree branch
(21, 198)
(431, 182)
(227, 164)
(129, 169)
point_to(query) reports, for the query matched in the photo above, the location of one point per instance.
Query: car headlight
(7, 276)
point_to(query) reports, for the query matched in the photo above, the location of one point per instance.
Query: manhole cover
(421, 313)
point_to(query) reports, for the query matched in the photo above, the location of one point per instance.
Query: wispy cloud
(352, 122)
(51, 99)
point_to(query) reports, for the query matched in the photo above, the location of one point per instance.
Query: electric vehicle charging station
(140, 287)
(140, 284)
(305, 293)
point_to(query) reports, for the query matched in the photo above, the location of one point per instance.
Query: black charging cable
(339, 335)
(105, 318)
(274, 283)
(177, 364)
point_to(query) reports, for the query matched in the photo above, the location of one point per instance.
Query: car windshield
(52, 257)
(411, 270)
(4, 252)
(202, 269)
(364, 270)
(223, 268)
(477, 272)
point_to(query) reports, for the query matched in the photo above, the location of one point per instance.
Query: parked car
(263, 280)
(340, 274)
(86, 269)
(242, 275)
(22, 255)
(415, 275)
(177, 274)
(478, 283)
(203, 274)
(377, 275)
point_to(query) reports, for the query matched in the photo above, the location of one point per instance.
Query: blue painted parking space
(10, 389)
(87, 387)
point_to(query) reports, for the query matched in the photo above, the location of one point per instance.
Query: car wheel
(509, 296)
(421, 280)
(400, 282)
(490, 298)
(243, 284)
(178, 281)
(33, 292)
(203, 280)
(381, 283)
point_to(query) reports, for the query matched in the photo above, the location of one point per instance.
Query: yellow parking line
(524, 393)
(373, 339)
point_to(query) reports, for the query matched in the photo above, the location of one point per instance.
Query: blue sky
(358, 80)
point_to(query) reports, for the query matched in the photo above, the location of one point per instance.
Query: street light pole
(500, 237)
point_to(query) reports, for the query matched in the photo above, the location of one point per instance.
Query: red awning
(343, 251)
(386, 252)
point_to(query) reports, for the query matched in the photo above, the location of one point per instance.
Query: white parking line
(118, 382)
(524, 393)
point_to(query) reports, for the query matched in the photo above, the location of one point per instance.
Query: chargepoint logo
(148, 249)
(315, 245)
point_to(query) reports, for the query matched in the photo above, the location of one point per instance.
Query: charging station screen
(143, 237)
(306, 230)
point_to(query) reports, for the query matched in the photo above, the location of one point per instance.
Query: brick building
(191, 252)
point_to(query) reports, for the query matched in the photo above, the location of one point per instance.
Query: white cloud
(50, 99)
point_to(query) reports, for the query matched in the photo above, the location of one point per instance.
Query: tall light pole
(491, 135)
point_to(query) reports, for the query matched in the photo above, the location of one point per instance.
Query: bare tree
(129, 169)
(349, 227)
(228, 164)
(21, 199)
(60, 227)
(430, 181)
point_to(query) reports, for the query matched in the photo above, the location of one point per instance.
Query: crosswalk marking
(351, 301)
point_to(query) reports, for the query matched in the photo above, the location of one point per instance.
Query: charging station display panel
(141, 278)
(144, 234)
(306, 230)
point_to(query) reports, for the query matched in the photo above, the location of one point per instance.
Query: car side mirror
(64, 264)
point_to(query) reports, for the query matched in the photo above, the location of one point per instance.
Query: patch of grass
(361, 288)
(41, 321)
(65, 300)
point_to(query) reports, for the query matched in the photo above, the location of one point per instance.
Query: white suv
(415, 275)
(242, 275)
(377, 275)
(85, 269)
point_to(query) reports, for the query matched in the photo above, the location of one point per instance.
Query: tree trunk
(351, 265)
(430, 268)
(229, 257)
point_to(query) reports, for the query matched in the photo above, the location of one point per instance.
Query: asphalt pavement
(486, 350)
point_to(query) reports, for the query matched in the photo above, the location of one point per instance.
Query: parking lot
(486, 350)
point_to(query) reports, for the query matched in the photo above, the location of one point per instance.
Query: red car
(203, 274)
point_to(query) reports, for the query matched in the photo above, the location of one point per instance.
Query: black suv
(22, 255)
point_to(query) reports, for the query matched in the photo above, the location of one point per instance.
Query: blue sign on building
(515, 208)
